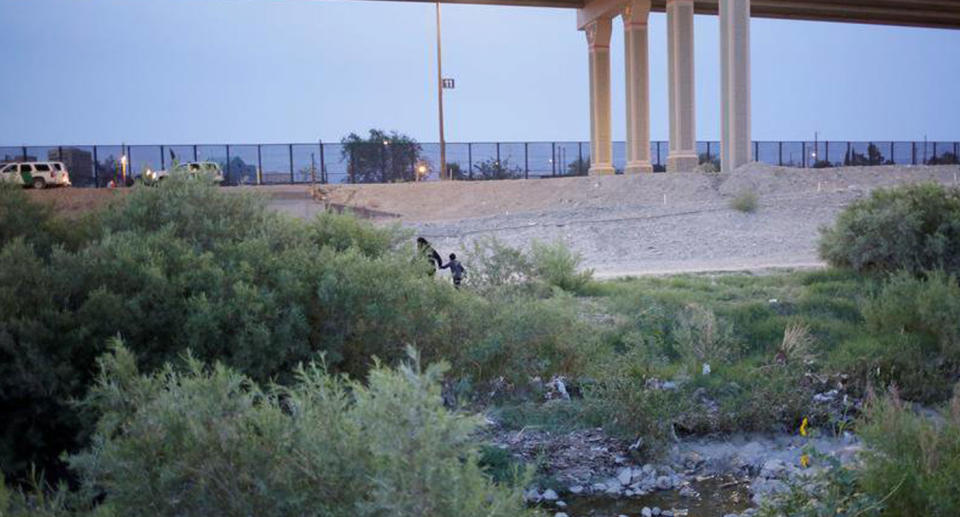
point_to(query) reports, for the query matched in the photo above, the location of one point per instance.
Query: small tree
(492, 169)
(382, 157)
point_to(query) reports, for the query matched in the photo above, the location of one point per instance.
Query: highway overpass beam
(636, 54)
(601, 146)
(734, 84)
(682, 155)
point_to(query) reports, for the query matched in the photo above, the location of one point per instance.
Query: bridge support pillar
(636, 54)
(734, 84)
(683, 147)
(601, 145)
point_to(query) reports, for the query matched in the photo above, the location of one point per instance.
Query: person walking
(456, 270)
(430, 254)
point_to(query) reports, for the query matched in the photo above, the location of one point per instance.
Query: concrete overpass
(594, 17)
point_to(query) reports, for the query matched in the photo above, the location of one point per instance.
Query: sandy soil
(643, 224)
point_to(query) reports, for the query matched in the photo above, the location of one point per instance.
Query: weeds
(745, 201)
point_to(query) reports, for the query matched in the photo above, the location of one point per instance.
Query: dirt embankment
(622, 225)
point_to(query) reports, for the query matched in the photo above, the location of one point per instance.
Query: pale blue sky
(238, 71)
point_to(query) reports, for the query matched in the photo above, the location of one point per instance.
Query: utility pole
(443, 145)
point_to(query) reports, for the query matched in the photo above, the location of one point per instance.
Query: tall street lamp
(443, 145)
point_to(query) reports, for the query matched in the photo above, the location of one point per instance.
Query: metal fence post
(553, 158)
(934, 151)
(826, 151)
(708, 150)
(323, 164)
(803, 154)
(892, 159)
(195, 153)
(658, 154)
(259, 166)
(526, 160)
(913, 158)
(580, 156)
(780, 153)
(470, 160)
(498, 154)
(24, 152)
(96, 169)
(290, 153)
(350, 168)
(228, 163)
(163, 161)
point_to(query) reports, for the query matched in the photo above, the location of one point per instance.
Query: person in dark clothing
(456, 269)
(430, 254)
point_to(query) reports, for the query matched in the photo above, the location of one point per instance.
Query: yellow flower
(803, 427)
(805, 461)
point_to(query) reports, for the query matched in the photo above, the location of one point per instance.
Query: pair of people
(457, 270)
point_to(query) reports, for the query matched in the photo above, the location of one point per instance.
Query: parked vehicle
(208, 169)
(36, 174)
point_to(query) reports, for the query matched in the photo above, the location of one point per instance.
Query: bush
(913, 227)
(558, 266)
(209, 441)
(927, 307)
(912, 461)
(498, 268)
(745, 201)
(914, 340)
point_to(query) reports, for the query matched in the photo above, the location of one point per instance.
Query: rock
(664, 483)
(575, 489)
(560, 514)
(549, 495)
(614, 488)
(649, 469)
(532, 495)
(656, 511)
(688, 491)
(669, 385)
(773, 469)
(646, 512)
(561, 504)
(667, 513)
(625, 476)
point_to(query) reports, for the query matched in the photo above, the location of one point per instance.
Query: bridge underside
(914, 13)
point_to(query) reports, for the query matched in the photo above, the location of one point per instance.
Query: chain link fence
(264, 164)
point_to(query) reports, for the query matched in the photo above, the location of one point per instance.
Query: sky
(275, 71)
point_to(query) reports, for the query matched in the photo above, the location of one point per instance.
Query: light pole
(443, 144)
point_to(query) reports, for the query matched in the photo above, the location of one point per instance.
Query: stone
(772, 468)
(664, 483)
(656, 511)
(649, 469)
(667, 513)
(576, 489)
(625, 475)
(560, 514)
(532, 495)
(688, 491)
(646, 512)
(549, 495)
(561, 504)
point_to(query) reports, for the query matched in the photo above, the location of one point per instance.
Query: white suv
(36, 174)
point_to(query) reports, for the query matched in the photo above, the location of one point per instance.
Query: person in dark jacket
(430, 254)
(456, 270)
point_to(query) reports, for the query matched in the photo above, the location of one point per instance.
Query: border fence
(364, 162)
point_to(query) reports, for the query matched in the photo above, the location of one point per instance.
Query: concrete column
(734, 84)
(601, 146)
(683, 146)
(638, 87)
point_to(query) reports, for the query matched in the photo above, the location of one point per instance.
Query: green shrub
(912, 461)
(557, 265)
(927, 307)
(209, 441)
(496, 268)
(912, 227)
(745, 201)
